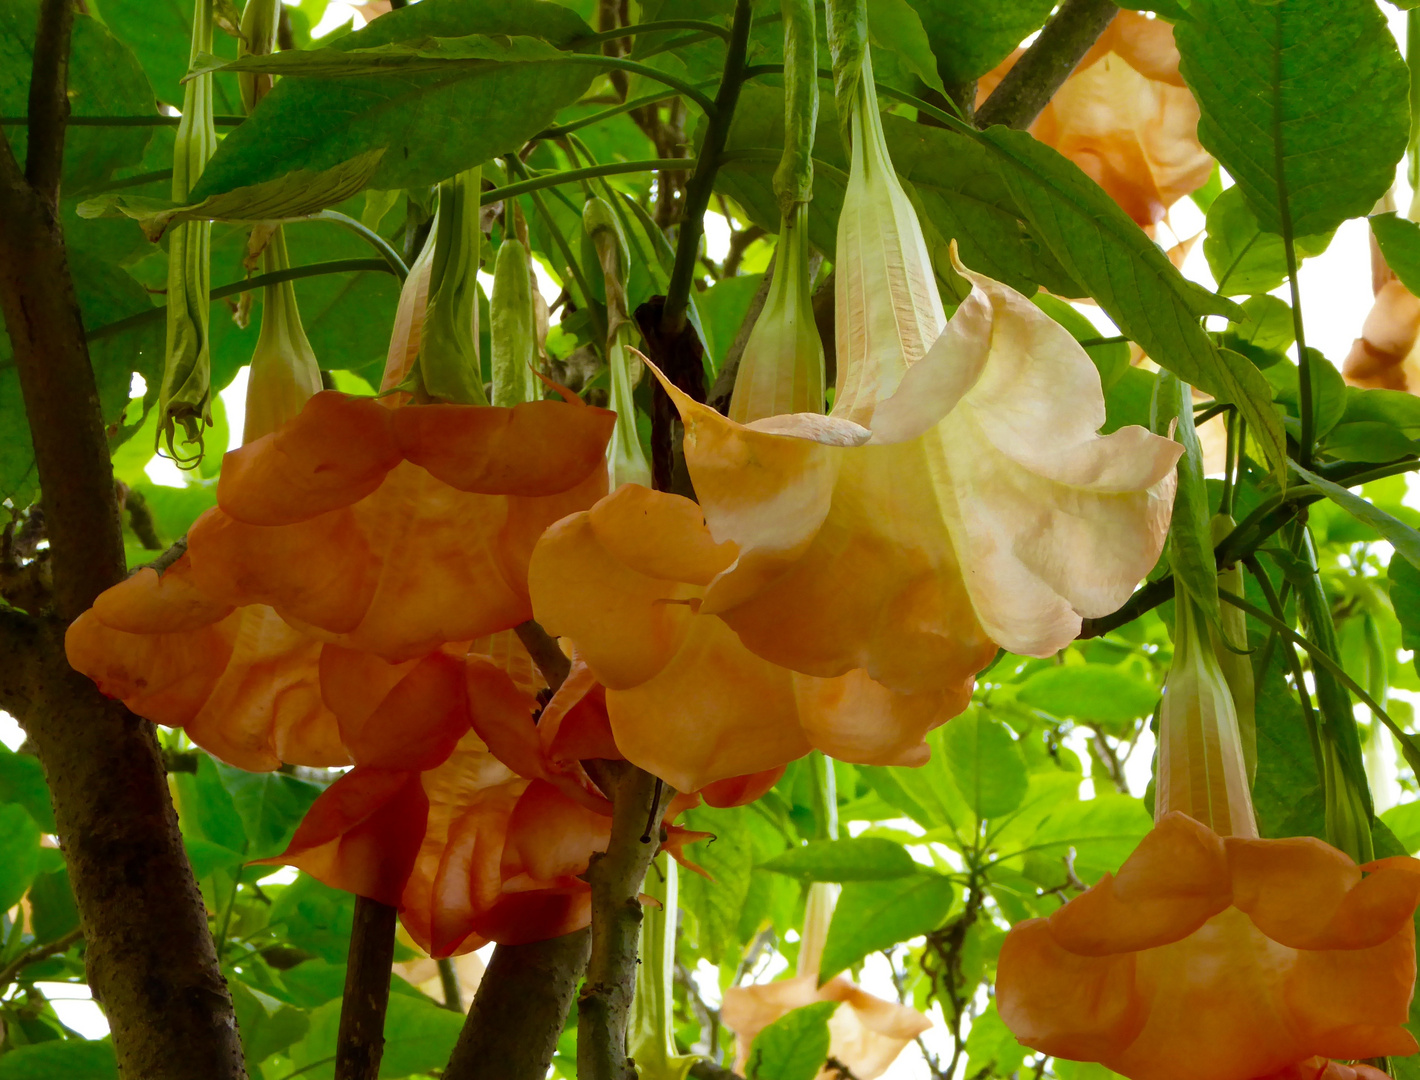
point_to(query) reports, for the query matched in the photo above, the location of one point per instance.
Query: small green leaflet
(1399, 241)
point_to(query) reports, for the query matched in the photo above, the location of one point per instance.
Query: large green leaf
(22, 781)
(1405, 599)
(19, 853)
(419, 1036)
(1286, 794)
(866, 858)
(1399, 241)
(794, 1047)
(928, 795)
(316, 124)
(1132, 279)
(986, 763)
(104, 80)
(1404, 538)
(729, 860)
(71, 1059)
(991, 1049)
(160, 33)
(1304, 102)
(270, 805)
(1101, 832)
(971, 38)
(873, 915)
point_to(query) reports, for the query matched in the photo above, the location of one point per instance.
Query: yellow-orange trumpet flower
(1126, 117)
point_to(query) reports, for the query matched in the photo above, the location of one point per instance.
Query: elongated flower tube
(866, 1033)
(185, 394)
(626, 460)
(1126, 117)
(260, 19)
(284, 372)
(624, 583)
(650, 1034)
(1211, 952)
(513, 333)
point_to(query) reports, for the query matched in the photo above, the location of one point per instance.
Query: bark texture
(361, 1041)
(520, 1009)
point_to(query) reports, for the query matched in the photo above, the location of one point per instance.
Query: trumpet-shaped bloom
(397, 530)
(1384, 356)
(1224, 957)
(243, 684)
(954, 501)
(687, 701)
(1126, 117)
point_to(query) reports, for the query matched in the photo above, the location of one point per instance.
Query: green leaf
(52, 910)
(928, 794)
(991, 1049)
(1267, 325)
(317, 918)
(873, 915)
(267, 1025)
(105, 79)
(1244, 259)
(894, 24)
(160, 33)
(1404, 822)
(70, 1059)
(1399, 241)
(19, 853)
(1304, 103)
(317, 124)
(723, 307)
(1405, 540)
(971, 38)
(863, 859)
(419, 1035)
(1286, 793)
(270, 805)
(795, 1046)
(207, 810)
(1111, 360)
(986, 763)
(1102, 831)
(422, 54)
(1100, 693)
(1132, 279)
(729, 860)
(1405, 599)
(22, 781)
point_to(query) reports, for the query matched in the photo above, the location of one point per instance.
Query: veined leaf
(971, 38)
(72, 1059)
(794, 1047)
(294, 195)
(1148, 299)
(1405, 539)
(315, 124)
(1099, 693)
(407, 57)
(873, 915)
(1405, 598)
(986, 763)
(865, 858)
(1399, 241)
(1244, 259)
(1304, 102)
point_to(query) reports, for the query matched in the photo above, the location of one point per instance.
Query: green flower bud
(449, 368)
(284, 372)
(259, 22)
(513, 335)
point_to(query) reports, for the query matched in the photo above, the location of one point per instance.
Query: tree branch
(1032, 82)
(361, 1041)
(519, 1010)
(708, 1070)
(49, 100)
(545, 652)
(616, 876)
(34, 954)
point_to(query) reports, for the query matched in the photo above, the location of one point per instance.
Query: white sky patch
(164, 472)
(336, 15)
(234, 398)
(717, 237)
(11, 734)
(76, 1008)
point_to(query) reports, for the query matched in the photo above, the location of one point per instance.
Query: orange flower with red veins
(1126, 117)
(685, 699)
(397, 530)
(1222, 957)
(240, 682)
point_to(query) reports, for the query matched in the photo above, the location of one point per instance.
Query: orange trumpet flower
(1126, 117)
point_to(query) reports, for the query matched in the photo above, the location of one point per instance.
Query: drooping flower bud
(185, 395)
(284, 371)
(259, 22)
(448, 368)
(513, 334)
(626, 460)
(651, 1035)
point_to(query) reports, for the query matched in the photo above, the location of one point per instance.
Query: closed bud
(513, 334)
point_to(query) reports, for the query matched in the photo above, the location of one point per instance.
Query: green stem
(334, 266)
(702, 181)
(572, 176)
(712, 29)
(616, 63)
(1279, 613)
(374, 239)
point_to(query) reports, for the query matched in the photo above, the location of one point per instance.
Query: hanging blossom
(866, 1033)
(956, 499)
(240, 681)
(1385, 356)
(397, 527)
(1126, 117)
(1212, 952)
(476, 820)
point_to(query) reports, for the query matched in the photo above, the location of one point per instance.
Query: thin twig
(35, 953)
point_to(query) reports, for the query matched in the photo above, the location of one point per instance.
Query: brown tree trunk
(150, 954)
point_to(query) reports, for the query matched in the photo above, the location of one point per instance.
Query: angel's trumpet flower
(1211, 952)
(866, 1033)
(284, 373)
(1126, 117)
(957, 498)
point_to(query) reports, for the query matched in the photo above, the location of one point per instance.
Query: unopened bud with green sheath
(449, 368)
(513, 335)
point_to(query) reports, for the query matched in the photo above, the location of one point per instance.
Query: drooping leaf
(1405, 599)
(417, 55)
(873, 915)
(1246, 261)
(19, 853)
(928, 795)
(1131, 278)
(1286, 793)
(897, 25)
(271, 805)
(986, 763)
(865, 858)
(794, 1047)
(1404, 538)
(1304, 103)
(316, 124)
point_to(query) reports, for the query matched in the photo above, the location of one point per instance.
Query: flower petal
(146, 603)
